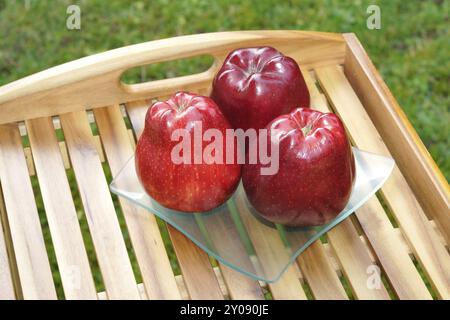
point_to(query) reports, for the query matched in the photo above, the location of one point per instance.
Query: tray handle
(94, 81)
(188, 82)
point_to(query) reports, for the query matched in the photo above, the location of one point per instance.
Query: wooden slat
(393, 257)
(330, 275)
(181, 287)
(144, 233)
(239, 286)
(29, 159)
(64, 154)
(398, 236)
(270, 249)
(319, 273)
(198, 274)
(94, 81)
(355, 261)
(13, 271)
(221, 280)
(103, 224)
(292, 288)
(73, 263)
(423, 175)
(28, 242)
(188, 254)
(391, 252)
(136, 112)
(397, 193)
(344, 237)
(314, 263)
(6, 280)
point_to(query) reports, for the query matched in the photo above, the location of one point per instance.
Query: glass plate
(238, 238)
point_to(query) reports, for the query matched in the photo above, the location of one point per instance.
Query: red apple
(256, 85)
(190, 187)
(316, 171)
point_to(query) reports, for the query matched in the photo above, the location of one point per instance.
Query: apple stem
(181, 105)
(307, 129)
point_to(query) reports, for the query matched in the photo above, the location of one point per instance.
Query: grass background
(411, 50)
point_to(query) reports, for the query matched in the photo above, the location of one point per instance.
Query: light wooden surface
(429, 185)
(181, 287)
(239, 286)
(99, 209)
(194, 262)
(353, 256)
(143, 229)
(196, 268)
(397, 193)
(270, 248)
(98, 76)
(73, 263)
(6, 278)
(13, 273)
(318, 271)
(393, 256)
(28, 242)
(415, 193)
(351, 253)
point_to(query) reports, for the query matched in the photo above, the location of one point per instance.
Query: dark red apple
(256, 85)
(316, 171)
(192, 186)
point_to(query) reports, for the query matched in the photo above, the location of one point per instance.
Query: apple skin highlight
(194, 187)
(316, 171)
(256, 85)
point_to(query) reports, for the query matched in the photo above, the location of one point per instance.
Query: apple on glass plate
(184, 178)
(315, 175)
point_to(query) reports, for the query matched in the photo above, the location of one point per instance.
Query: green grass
(410, 50)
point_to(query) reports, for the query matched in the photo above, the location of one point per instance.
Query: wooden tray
(404, 231)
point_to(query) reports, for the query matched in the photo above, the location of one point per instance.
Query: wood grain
(351, 252)
(148, 245)
(316, 267)
(240, 286)
(181, 286)
(197, 271)
(392, 256)
(426, 180)
(103, 224)
(232, 249)
(313, 263)
(271, 253)
(194, 263)
(13, 271)
(396, 191)
(25, 228)
(73, 263)
(374, 121)
(64, 154)
(392, 252)
(6, 278)
(356, 262)
(57, 90)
